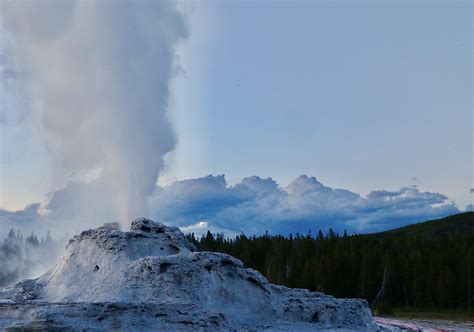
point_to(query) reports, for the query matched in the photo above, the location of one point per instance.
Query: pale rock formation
(152, 278)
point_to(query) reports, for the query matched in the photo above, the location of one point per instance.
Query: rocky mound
(152, 278)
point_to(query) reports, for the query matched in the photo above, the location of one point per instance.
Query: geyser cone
(154, 268)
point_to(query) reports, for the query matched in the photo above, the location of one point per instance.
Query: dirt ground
(431, 325)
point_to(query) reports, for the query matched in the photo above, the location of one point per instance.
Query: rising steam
(98, 73)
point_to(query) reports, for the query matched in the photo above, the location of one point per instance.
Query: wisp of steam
(98, 75)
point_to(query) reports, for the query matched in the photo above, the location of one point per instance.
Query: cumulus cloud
(28, 214)
(255, 205)
(26, 220)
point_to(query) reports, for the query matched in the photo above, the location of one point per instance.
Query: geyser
(152, 278)
(97, 74)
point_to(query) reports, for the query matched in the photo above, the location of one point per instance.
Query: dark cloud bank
(254, 206)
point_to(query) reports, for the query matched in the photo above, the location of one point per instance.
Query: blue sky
(362, 95)
(365, 95)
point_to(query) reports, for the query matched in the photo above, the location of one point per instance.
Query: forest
(25, 256)
(426, 265)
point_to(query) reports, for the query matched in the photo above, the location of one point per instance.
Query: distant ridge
(456, 224)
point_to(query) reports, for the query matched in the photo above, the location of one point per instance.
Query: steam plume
(100, 71)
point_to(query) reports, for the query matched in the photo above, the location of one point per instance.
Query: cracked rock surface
(152, 278)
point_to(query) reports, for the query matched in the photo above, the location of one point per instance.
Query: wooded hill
(426, 265)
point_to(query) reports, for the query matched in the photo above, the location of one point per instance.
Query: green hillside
(458, 224)
(425, 265)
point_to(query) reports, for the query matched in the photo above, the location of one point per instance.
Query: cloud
(203, 227)
(471, 191)
(255, 205)
(26, 220)
(28, 214)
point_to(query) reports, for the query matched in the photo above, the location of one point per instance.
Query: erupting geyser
(96, 76)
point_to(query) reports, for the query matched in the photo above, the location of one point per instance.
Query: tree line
(26, 256)
(423, 268)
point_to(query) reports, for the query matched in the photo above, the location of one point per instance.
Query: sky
(367, 96)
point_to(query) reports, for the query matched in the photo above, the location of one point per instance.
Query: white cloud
(252, 206)
(255, 205)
